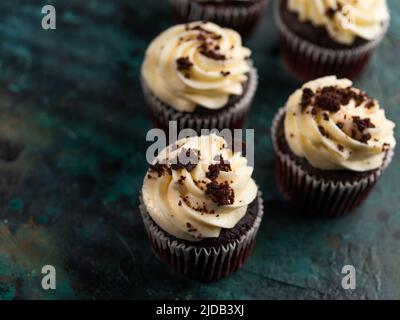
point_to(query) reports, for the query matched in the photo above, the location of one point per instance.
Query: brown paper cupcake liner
(307, 61)
(202, 263)
(244, 19)
(233, 118)
(316, 197)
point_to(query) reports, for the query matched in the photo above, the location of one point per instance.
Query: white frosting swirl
(213, 66)
(178, 201)
(345, 20)
(355, 137)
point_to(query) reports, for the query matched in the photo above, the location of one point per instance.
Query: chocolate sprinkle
(306, 98)
(363, 124)
(212, 54)
(365, 137)
(332, 98)
(181, 179)
(370, 104)
(221, 193)
(202, 209)
(214, 169)
(385, 147)
(200, 28)
(329, 98)
(160, 169)
(330, 13)
(323, 131)
(183, 64)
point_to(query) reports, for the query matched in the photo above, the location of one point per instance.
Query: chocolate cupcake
(332, 142)
(318, 38)
(240, 15)
(199, 75)
(201, 208)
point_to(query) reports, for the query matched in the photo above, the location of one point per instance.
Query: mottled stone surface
(72, 158)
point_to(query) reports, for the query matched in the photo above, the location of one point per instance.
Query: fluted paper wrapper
(243, 19)
(232, 118)
(307, 61)
(319, 198)
(202, 263)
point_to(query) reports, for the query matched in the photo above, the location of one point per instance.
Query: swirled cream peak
(336, 126)
(196, 64)
(345, 20)
(198, 186)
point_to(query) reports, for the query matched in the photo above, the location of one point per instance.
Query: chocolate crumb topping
(314, 111)
(201, 37)
(326, 116)
(332, 98)
(199, 28)
(363, 124)
(306, 98)
(202, 209)
(221, 193)
(183, 64)
(181, 179)
(365, 137)
(329, 98)
(370, 104)
(212, 54)
(160, 169)
(323, 131)
(340, 147)
(385, 147)
(330, 13)
(349, 93)
(215, 36)
(214, 169)
(225, 73)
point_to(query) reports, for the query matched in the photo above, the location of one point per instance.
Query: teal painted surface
(73, 122)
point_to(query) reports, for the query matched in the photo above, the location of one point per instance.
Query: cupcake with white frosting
(199, 75)
(332, 142)
(201, 207)
(322, 37)
(240, 15)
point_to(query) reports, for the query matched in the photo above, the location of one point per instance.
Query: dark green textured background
(72, 157)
